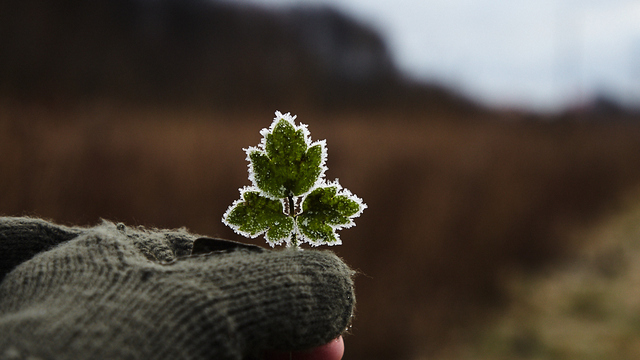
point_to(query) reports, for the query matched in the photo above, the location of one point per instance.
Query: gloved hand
(117, 292)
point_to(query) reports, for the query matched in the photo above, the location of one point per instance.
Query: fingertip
(334, 350)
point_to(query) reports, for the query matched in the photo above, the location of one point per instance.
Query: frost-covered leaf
(286, 168)
(327, 209)
(286, 163)
(255, 214)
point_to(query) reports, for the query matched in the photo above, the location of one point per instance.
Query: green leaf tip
(289, 200)
(286, 163)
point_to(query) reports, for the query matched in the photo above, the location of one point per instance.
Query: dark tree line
(191, 50)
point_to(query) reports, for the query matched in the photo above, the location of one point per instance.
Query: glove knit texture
(116, 292)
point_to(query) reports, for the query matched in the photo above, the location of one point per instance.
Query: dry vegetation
(454, 205)
(585, 308)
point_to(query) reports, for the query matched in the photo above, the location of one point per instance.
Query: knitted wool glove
(115, 292)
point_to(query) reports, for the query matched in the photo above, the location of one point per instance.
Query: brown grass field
(455, 205)
(587, 307)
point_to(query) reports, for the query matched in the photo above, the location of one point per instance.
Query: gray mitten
(115, 292)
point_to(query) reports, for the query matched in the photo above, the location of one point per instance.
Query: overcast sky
(539, 54)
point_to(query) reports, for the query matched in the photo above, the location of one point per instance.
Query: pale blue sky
(539, 54)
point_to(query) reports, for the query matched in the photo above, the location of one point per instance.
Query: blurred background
(496, 143)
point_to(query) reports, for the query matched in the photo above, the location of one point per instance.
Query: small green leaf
(256, 214)
(326, 210)
(287, 164)
(285, 168)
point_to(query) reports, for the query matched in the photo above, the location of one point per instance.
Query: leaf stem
(292, 213)
(292, 210)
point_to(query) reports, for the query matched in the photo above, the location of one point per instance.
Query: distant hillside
(198, 51)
